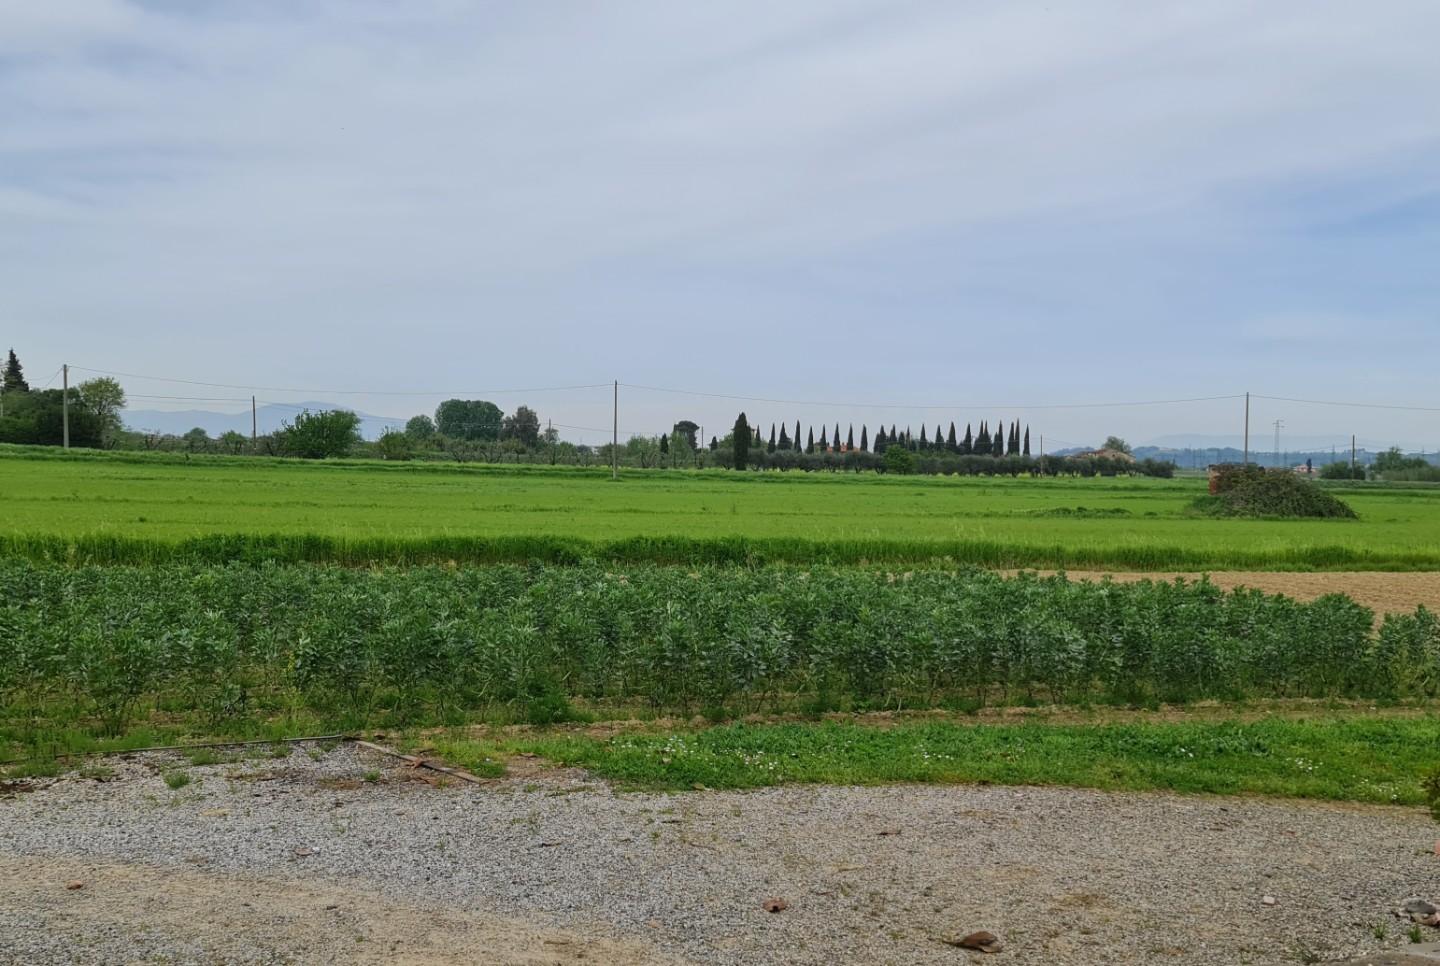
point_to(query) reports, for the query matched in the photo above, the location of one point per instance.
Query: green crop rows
(136, 508)
(451, 644)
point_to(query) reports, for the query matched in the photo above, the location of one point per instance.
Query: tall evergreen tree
(771, 447)
(1015, 439)
(1027, 441)
(939, 440)
(797, 435)
(881, 440)
(997, 443)
(714, 444)
(824, 445)
(950, 442)
(967, 445)
(784, 438)
(665, 444)
(923, 443)
(982, 440)
(864, 437)
(742, 438)
(849, 437)
(15, 375)
(810, 441)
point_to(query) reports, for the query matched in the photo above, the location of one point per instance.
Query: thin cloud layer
(911, 203)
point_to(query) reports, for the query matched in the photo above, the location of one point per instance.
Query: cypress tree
(968, 446)
(923, 443)
(797, 435)
(997, 444)
(939, 440)
(15, 375)
(950, 443)
(771, 447)
(850, 437)
(665, 444)
(714, 444)
(982, 440)
(880, 440)
(823, 444)
(836, 437)
(810, 441)
(742, 439)
(1015, 438)
(1027, 441)
(784, 438)
(864, 437)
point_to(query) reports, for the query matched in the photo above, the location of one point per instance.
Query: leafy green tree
(196, 440)
(1394, 461)
(14, 375)
(395, 445)
(420, 429)
(898, 460)
(689, 430)
(523, 426)
(234, 443)
(477, 420)
(1117, 444)
(742, 442)
(322, 435)
(104, 399)
(37, 418)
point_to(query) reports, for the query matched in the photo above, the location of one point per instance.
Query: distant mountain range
(269, 418)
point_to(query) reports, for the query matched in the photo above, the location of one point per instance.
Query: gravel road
(343, 855)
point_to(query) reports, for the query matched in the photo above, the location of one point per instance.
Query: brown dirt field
(1381, 592)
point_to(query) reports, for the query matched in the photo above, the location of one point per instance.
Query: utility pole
(1247, 429)
(1042, 454)
(1352, 456)
(65, 404)
(615, 438)
(1278, 423)
(254, 426)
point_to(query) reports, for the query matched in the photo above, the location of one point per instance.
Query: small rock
(982, 941)
(74, 884)
(773, 905)
(301, 851)
(1268, 900)
(1417, 908)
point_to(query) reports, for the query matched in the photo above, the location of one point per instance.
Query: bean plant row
(542, 643)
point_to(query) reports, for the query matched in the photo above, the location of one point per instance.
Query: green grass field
(128, 506)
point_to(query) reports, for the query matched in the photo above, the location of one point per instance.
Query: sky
(872, 209)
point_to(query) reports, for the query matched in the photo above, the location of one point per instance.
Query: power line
(341, 392)
(1353, 405)
(852, 405)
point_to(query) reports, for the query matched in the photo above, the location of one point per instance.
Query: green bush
(1250, 491)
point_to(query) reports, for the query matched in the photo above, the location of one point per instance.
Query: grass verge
(1348, 759)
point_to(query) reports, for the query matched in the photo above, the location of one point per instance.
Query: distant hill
(269, 419)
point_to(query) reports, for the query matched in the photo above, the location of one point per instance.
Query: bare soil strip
(1382, 592)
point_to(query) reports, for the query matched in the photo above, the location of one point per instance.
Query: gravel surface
(347, 856)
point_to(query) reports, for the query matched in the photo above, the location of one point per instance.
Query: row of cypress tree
(1005, 440)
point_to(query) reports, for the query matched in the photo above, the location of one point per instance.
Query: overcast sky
(968, 204)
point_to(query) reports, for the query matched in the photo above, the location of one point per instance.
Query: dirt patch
(1381, 592)
(230, 918)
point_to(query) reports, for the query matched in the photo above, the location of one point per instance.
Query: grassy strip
(1354, 759)
(113, 549)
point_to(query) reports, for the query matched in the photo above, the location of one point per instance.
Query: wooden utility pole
(65, 404)
(615, 436)
(1247, 429)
